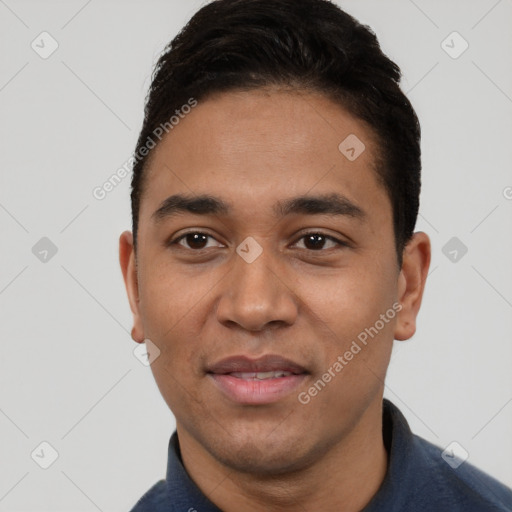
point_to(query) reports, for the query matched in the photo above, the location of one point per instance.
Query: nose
(256, 296)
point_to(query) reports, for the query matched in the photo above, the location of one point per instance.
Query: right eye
(194, 240)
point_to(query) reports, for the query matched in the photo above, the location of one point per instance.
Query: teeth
(272, 375)
(261, 375)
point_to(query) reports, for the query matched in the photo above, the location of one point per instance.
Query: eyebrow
(327, 204)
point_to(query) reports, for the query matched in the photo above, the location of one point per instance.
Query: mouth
(265, 380)
(260, 375)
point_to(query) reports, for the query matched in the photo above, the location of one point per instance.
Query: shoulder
(462, 488)
(154, 500)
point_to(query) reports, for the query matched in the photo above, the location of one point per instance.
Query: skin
(253, 149)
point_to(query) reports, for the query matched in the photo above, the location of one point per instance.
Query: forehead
(263, 145)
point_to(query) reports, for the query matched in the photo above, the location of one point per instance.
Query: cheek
(172, 320)
(346, 311)
(171, 309)
(356, 346)
(169, 298)
(349, 301)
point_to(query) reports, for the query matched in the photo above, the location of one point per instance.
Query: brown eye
(318, 241)
(196, 240)
(314, 242)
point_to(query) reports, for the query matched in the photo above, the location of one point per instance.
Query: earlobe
(129, 270)
(411, 284)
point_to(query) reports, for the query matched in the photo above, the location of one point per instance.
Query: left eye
(318, 241)
(312, 241)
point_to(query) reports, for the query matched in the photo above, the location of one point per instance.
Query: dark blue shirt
(417, 480)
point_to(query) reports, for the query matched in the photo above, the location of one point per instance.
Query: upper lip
(267, 363)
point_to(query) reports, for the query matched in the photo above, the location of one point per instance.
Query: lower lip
(257, 392)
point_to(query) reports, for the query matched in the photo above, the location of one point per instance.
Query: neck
(346, 478)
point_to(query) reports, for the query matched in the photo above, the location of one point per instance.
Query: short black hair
(302, 44)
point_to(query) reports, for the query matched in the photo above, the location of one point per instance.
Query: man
(272, 263)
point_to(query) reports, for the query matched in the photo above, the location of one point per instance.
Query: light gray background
(67, 372)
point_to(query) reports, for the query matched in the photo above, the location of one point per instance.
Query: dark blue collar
(186, 496)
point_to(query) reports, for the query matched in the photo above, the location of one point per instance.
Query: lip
(248, 390)
(266, 363)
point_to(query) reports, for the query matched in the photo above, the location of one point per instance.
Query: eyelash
(340, 243)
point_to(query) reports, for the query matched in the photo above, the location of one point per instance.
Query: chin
(259, 453)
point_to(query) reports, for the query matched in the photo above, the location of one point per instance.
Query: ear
(129, 269)
(411, 283)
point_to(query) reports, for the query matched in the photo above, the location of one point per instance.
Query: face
(260, 277)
